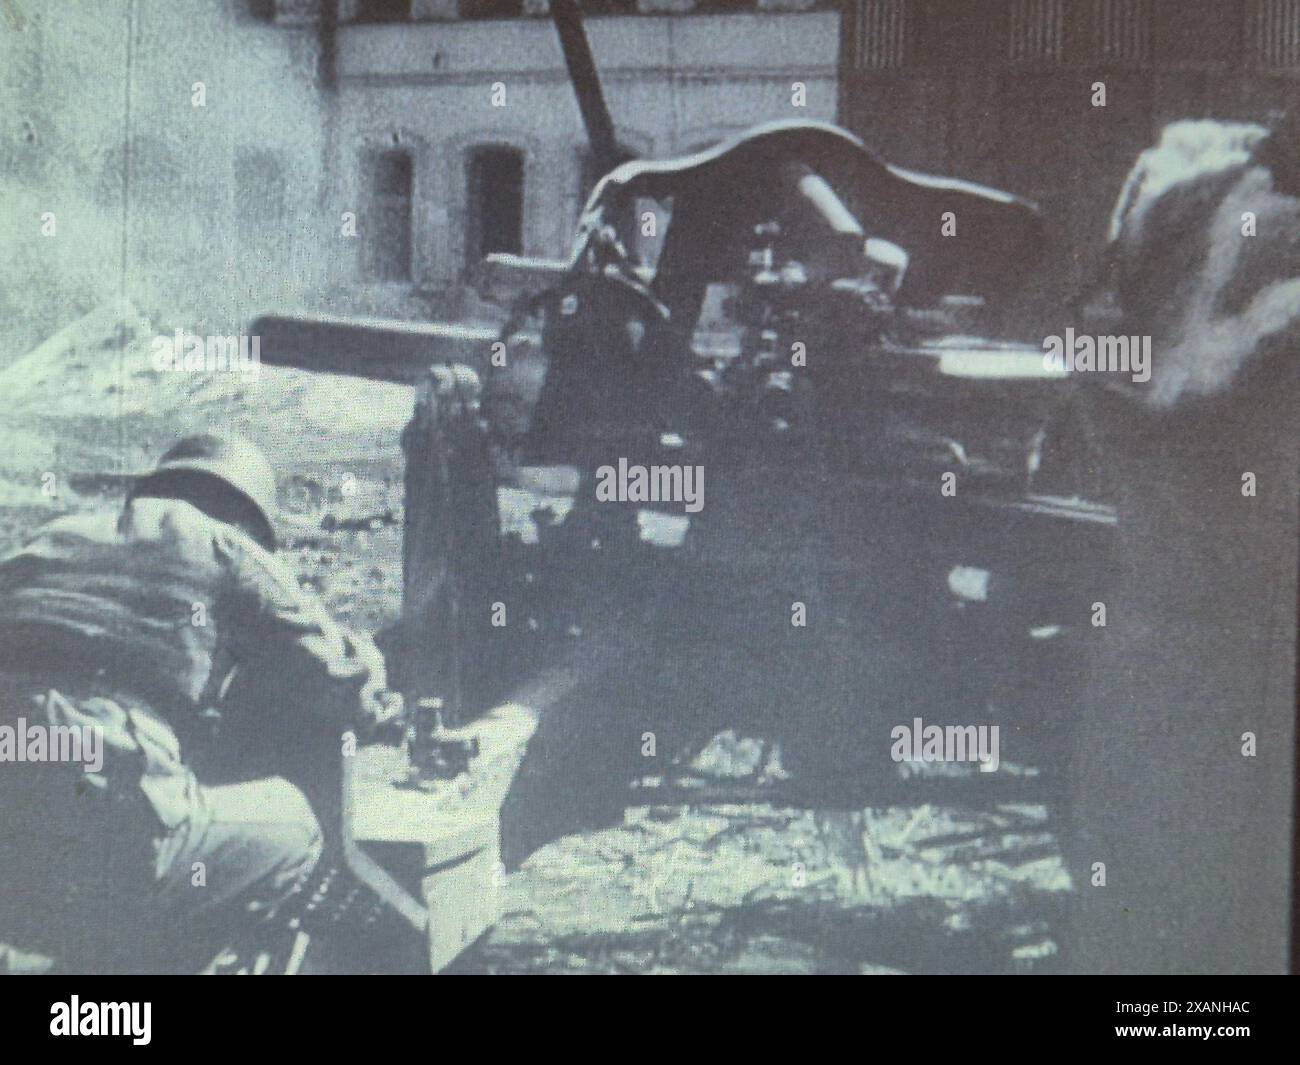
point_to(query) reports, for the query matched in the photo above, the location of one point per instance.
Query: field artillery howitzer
(604, 358)
(807, 464)
(799, 240)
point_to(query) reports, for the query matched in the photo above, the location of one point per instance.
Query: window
(495, 198)
(152, 170)
(1273, 32)
(385, 226)
(260, 188)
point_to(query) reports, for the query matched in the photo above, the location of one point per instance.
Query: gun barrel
(586, 84)
(371, 348)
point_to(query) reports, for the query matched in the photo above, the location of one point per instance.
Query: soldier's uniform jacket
(133, 622)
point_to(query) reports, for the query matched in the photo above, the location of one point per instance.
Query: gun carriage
(818, 334)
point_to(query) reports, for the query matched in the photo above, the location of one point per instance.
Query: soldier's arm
(271, 624)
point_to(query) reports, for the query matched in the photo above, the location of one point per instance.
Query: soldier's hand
(363, 649)
(379, 709)
(383, 713)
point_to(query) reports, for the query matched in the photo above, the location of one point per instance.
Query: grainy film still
(648, 486)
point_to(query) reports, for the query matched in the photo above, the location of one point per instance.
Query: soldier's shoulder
(252, 562)
(97, 526)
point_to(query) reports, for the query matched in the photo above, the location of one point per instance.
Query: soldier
(132, 624)
(1180, 833)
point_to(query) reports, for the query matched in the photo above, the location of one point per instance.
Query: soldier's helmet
(222, 474)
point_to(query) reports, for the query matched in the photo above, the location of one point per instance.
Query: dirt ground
(613, 884)
(732, 887)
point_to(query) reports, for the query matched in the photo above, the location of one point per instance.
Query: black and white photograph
(637, 487)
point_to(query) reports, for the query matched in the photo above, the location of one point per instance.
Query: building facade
(224, 157)
(463, 130)
(170, 152)
(221, 157)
